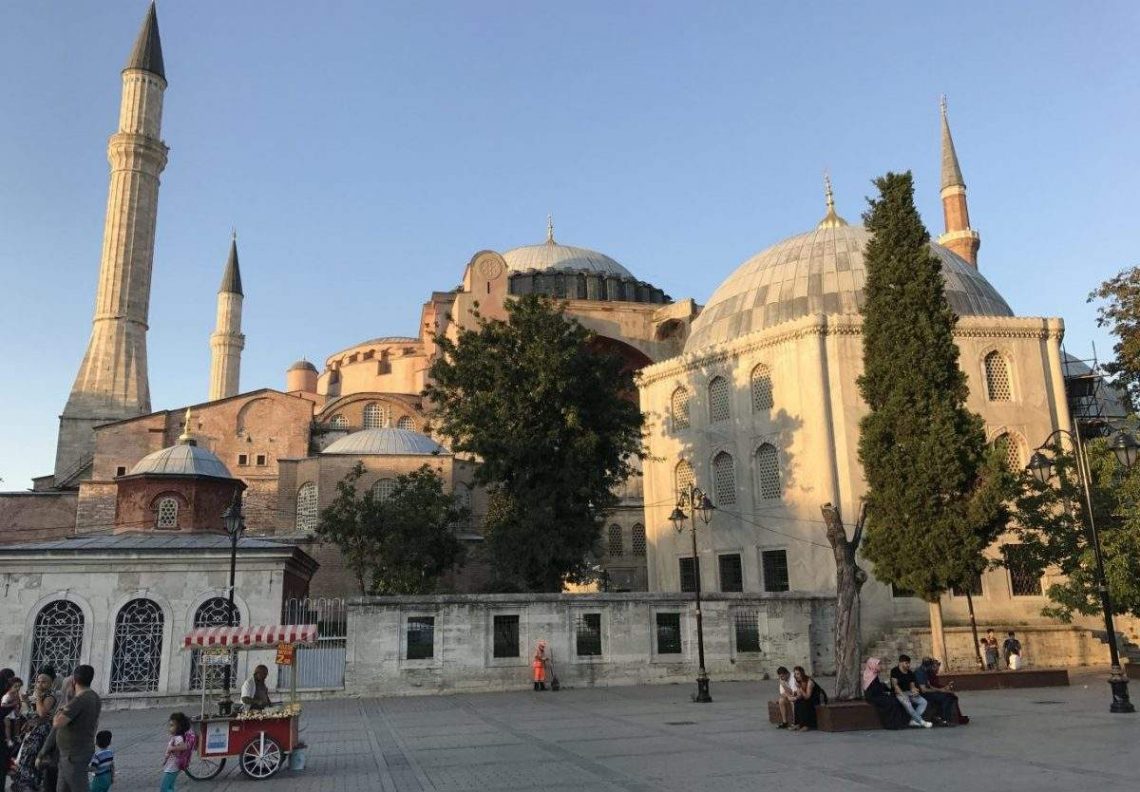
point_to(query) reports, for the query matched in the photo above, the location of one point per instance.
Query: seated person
(809, 695)
(905, 688)
(944, 699)
(254, 693)
(879, 696)
(787, 697)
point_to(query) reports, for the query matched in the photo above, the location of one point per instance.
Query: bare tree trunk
(937, 633)
(974, 629)
(849, 579)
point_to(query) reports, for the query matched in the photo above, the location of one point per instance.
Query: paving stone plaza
(651, 738)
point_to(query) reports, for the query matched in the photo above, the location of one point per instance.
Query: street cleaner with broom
(538, 665)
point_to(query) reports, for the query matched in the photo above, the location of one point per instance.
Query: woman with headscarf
(891, 713)
(538, 665)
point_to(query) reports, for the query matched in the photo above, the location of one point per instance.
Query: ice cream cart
(260, 740)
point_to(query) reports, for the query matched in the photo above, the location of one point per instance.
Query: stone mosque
(752, 397)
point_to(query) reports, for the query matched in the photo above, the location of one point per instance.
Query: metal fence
(319, 667)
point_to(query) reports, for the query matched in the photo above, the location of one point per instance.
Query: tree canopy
(399, 544)
(1121, 315)
(549, 416)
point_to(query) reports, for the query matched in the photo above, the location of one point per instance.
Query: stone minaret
(112, 380)
(227, 342)
(959, 237)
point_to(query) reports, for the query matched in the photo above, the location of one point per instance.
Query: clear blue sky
(365, 150)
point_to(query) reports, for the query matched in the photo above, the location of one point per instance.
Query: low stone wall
(1043, 646)
(447, 643)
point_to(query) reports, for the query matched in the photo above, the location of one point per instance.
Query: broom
(554, 684)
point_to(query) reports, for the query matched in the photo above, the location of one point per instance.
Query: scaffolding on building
(1096, 406)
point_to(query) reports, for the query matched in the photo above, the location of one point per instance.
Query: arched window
(683, 476)
(1011, 450)
(997, 377)
(373, 416)
(308, 511)
(57, 638)
(167, 512)
(679, 408)
(136, 657)
(615, 547)
(724, 478)
(761, 389)
(637, 540)
(383, 489)
(718, 400)
(214, 612)
(768, 472)
(338, 421)
(407, 423)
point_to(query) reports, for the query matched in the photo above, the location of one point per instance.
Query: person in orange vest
(539, 665)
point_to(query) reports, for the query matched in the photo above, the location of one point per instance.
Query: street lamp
(697, 503)
(234, 523)
(1041, 466)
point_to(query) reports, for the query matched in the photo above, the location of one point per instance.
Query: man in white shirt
(787, 697)
(254, 693)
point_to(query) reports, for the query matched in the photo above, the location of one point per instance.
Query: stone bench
(1004, 680)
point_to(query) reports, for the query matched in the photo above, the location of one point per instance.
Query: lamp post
(234, 523)
(697, 502)
(1126, 449)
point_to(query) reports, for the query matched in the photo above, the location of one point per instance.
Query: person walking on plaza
(74, 727)
(177, 756)
(1011, 648)
(102, 763)
(538, 665)
(990, 647)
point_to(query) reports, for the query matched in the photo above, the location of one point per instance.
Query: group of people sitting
(799, 696)
(911, 694)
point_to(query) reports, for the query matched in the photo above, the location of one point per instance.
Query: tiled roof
(552, 256)
(150, 541)
(147, 52)
(182, 460)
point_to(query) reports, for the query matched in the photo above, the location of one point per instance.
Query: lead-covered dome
(820, 272)
(386, 441)
(551, 256)
(185, 459)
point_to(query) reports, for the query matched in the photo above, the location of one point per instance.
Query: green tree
(550, 419)
(395, 545)
(1121, 315)
(1050, 523)
(930, 509)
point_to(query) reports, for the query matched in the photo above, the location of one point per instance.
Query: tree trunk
(974, 629)
(849, 580)
(938, 633)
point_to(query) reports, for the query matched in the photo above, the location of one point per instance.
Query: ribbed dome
(302, 365)
(552, 256)
(182, 460)
(820, 272)
(386, 442)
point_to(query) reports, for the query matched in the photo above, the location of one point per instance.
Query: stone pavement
(643, 739)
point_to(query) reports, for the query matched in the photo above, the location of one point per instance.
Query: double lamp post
(696, 502)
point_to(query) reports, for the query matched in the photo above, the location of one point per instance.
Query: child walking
(102, 763)
(177, 751)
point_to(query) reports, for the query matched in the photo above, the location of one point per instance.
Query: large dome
(182, 460)
(386, 441)
(820, 272)
(552, 256)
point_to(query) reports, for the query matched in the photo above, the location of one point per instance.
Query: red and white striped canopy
(265, 636)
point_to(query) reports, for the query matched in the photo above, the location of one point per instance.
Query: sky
(365, 150)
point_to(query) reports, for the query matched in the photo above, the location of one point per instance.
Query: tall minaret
(227, 342)
(112, 380)
(959, 237)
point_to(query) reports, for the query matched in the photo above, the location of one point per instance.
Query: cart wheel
(203, 769)
(261, 757)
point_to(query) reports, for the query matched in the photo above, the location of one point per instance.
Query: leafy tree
(1051, 524)
(930, 510)
(1121, 314)
(395, 545)
(548, 417)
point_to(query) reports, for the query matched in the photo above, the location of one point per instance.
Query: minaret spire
(959, 237)
(831, 219)
(112, 380)
(227, 341)
(550, 229)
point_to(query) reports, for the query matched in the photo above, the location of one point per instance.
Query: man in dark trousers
(74, 728)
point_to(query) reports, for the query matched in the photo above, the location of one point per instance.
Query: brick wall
(37, 517)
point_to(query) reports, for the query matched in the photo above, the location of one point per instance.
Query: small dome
(386, 441)
(182, 460)
(820, 272)
(302, 365)
(552, 256)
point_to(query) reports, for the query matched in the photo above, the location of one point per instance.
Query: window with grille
(167, 510)
(1011, 450)
(761, 389)
(974, 587)
(997, 377)
(383, 489)
(506, 636)
(57, 638)
(718, 400)
(1024, 580)
(746, 624)
(338, 422)
(588, 634)
(724, 478)
(668, 633)
(683, 476)
(768, 472)
(421, 637)
(637, 540)
(679, 407)
(214, 612)
(307, 511)
(136, 656)
(615, 547)
(689, 570)
(775, 564)
(406, 423)
(373, 416)
(731, 573)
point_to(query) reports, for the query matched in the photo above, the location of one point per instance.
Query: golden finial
(186, 438)
(831, 219)
(827, 191)
(550, 229)
(942, 105)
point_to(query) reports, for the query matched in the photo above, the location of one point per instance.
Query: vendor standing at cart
(254, 693)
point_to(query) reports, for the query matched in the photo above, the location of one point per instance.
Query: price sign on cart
(285, 653)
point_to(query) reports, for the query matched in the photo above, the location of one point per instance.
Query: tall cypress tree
(922, 451)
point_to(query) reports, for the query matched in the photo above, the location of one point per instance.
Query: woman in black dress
(891, 713)
(808, 695)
